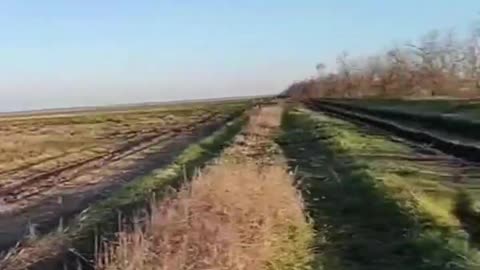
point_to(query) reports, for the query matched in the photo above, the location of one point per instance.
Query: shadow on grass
(468, 216)
(359, 226)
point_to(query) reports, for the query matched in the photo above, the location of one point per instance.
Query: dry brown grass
(238, 214)
(234, 216)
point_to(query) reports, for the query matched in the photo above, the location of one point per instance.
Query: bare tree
(344, 72)
(472, 56)
(429, 66)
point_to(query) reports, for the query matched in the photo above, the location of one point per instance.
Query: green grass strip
(363, 221)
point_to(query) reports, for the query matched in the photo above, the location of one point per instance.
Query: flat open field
(55, 165)
(319, 185)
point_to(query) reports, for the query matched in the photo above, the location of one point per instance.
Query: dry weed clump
(234, 216)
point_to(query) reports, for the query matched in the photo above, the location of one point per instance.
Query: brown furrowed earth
(54, 166)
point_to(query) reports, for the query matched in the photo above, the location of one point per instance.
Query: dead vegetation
(241, 213)
(235, 216)
(27, 256)
(76, 238)
(39, 197)
(438, 64)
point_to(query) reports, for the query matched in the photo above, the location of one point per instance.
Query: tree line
(438, 64)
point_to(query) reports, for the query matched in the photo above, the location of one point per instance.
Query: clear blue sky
(92, 52)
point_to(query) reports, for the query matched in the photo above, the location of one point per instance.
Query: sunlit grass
(374, 212)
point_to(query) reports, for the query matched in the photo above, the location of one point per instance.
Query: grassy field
(375, 209)
(235, 186)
